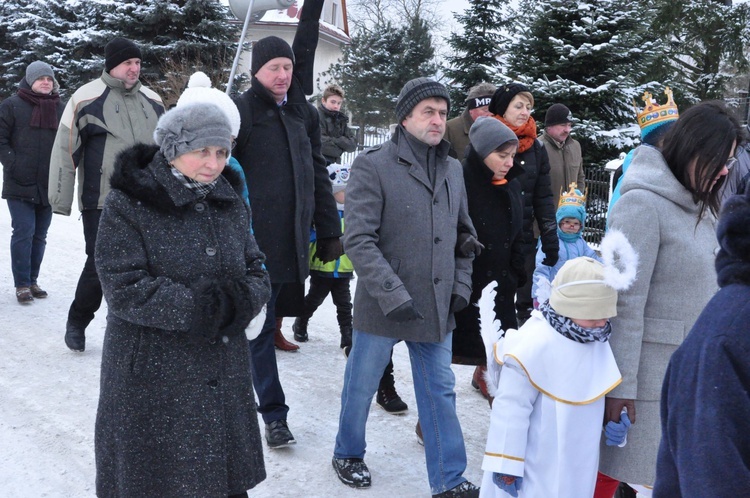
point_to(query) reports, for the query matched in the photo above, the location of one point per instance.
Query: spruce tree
(590, 56)
(477, 48)
(376, 65)
(703, 43)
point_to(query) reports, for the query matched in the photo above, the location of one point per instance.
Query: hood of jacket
(733, 233)
(649, 171)
(143, 173)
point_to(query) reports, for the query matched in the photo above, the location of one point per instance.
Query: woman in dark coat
(512, 105)
(28, 125)
(183, 277)
(496, 209)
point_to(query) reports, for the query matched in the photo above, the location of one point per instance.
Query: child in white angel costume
(549, 380)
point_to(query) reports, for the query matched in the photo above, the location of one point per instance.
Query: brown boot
(478, 382)
(280, 341)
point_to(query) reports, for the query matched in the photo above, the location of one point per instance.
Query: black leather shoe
(352, 472)
(278, 434)
(75, 338)
(463, 490)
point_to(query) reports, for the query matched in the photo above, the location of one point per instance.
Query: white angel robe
(547, 414)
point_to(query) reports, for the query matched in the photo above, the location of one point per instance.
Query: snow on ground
(49, 394)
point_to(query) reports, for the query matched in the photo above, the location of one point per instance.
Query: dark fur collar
(142, 172)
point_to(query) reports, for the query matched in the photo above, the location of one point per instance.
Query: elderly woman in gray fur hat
(28, 125)
(183, 277)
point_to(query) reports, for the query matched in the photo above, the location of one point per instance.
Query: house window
(334, 14)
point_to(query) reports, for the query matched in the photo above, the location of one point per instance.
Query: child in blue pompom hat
(571, 219)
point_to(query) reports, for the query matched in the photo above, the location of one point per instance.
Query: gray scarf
(569, 329)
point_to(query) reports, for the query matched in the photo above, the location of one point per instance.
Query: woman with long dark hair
(670, 200)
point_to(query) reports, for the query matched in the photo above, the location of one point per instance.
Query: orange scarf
(499, 181)
(526, 133)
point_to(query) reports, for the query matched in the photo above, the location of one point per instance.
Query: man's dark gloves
(467, 245)
(458, 303)
(329, 249)
(405, 313)
(550, 258)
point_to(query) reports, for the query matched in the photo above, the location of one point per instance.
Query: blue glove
(617, 433)
(509, 484)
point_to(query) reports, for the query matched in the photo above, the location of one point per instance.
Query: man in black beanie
(477, 105)
(565, 159)
(279, 148)
(406, 205)
(102, 118)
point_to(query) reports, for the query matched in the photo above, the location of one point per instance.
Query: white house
(282, 22)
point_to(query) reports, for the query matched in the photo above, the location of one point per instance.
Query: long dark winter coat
(538, 200)
(705, 407)
(176, 413)
(497, 214)
(279, 150)
(24, 151)
(401, 238)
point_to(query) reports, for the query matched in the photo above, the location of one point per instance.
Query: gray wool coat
(675, 280)
(401, 238)
(176, 413)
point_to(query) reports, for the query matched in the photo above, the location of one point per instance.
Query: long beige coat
(675, 280)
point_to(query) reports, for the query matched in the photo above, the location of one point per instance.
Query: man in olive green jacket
(565, 160)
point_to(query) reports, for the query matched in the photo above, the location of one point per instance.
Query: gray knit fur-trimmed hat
(266, 49)
(488, 134)
(36, 70)
(415, 91)
(190, 127)
(118, 50)
(557, 114)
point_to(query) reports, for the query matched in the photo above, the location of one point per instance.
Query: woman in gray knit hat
(183, 277)
(28, 125)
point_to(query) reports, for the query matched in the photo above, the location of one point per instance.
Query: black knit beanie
(269, 48)
(415, 91)
(503, 96)
(557, 114)
(118, 50)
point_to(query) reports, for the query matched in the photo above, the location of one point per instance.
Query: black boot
(387, 396)
(346, 336)
(300, 329)
(75, 337)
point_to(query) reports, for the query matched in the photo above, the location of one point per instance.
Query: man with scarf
(28, 124)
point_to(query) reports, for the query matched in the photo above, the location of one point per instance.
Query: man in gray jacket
(102, 118)
(406, 204)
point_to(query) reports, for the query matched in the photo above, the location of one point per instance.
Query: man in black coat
(279, 149)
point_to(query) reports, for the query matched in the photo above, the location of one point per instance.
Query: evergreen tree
(703, 42)
(590, 56)
(376, 65)
(477, 48)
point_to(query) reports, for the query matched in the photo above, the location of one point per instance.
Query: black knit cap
(269, 48)
(415, 91)
(503, 96)
(557, 114)
(118, 50)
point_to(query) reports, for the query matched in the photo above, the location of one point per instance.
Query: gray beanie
(415, 91)
(488, 134)
(36, 70)
(190, 127)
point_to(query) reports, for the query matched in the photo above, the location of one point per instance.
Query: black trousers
(524, 301)
(320, 287)
(88, 297)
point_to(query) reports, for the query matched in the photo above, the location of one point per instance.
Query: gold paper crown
(654, 113)
(572, 197)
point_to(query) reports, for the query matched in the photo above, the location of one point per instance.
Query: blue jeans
(30, 223)
(444, 448)
(271, 401)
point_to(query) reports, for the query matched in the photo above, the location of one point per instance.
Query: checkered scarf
(200, 189)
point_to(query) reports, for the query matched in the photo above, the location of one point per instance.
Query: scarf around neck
(200, 189)
(526, 133)
(44, 114)
(570, 330)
